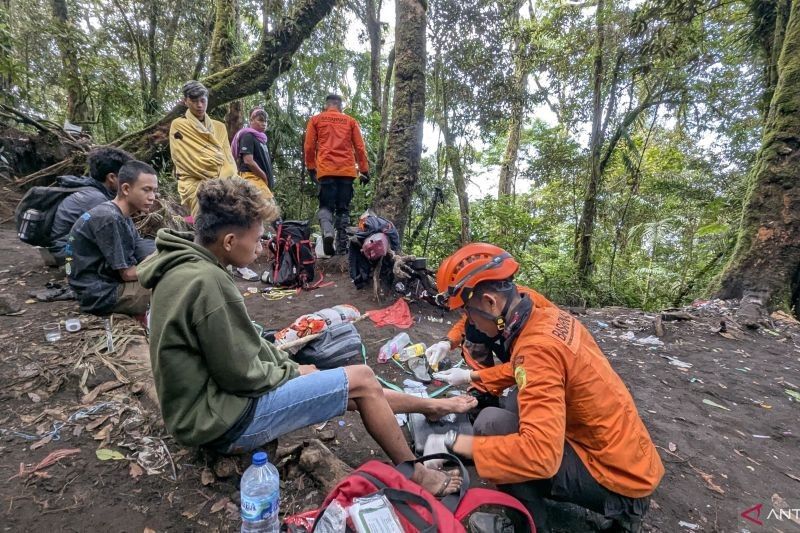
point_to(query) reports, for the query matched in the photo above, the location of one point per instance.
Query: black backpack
(37, 209)
(294, 260)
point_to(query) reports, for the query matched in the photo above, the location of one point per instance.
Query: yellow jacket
(200, 150)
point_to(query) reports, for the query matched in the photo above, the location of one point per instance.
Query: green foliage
(672, 189)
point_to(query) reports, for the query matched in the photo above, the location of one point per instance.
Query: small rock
(326, 435)
(8, 305)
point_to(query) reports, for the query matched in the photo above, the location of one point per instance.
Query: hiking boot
(327, 245)
(341, 242)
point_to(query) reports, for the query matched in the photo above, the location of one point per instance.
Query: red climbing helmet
(470, 265)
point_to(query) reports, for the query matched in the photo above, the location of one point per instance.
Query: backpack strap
(478, 497)
(278, 252)
(402, 500)
(451, 501)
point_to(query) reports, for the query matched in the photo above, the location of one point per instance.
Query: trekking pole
(437, 195)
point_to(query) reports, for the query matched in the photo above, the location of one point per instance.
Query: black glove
(312, 173)
(364, 178)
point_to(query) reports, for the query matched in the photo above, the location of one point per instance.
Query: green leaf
(104, 454)
(715, 228)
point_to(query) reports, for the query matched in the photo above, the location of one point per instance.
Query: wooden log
(319, 462)
(658, 326)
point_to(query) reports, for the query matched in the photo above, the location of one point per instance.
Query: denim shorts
(298, 403)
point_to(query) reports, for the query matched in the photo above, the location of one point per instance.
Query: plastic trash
(393, 346)
(415, 350)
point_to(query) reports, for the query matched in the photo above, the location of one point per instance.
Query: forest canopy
(642, 153)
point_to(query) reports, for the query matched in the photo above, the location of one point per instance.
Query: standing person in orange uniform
(335, 155)
(576, 435)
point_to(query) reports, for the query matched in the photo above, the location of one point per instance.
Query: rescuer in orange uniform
(479, 350)
(576, 436)
(335, 156)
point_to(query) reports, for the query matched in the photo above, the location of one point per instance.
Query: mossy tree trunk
(404, 143)
(764, 269)
(223, 54)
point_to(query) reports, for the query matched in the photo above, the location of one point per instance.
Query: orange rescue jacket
(333, 145)
(567, 392)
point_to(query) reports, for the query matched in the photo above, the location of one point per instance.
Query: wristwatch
(450, 439)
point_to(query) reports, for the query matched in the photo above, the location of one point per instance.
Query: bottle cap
(259, 458)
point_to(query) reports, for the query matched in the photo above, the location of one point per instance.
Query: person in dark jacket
(222, 386)
(249, 148)
(101, 186)
(104, 248)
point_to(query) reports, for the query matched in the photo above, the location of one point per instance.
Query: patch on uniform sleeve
(178, 135)
(521, 377)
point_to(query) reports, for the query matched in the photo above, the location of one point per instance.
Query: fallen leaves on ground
(207, 477)
(135, 470)
(104, 454)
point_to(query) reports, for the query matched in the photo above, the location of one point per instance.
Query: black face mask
(500, 345)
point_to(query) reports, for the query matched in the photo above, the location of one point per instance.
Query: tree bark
(7, 43)
(223, 52)
(387, 86)
(404, 144)
(586, 226)
(454, 160)
(78, 110)
(205, 45)
(374, 31)
(508, 167)
(151, 104)
(765, 264)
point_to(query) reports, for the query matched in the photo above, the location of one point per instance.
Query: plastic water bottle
(393, 347)
(260, 492)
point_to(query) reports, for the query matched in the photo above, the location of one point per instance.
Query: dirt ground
(726, 428)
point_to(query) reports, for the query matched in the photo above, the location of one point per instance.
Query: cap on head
(194, 90)
(470, 265)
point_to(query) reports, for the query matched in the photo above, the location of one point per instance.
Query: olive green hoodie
(208, 359)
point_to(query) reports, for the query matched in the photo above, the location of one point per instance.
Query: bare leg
(366, 395)
(433, 408)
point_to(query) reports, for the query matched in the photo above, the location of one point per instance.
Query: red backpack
(417, 509)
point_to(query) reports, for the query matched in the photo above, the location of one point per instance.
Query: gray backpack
(339, 345)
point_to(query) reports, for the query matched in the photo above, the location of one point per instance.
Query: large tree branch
(629, 118)
(256, 74)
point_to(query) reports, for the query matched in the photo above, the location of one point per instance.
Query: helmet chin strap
(500, 321)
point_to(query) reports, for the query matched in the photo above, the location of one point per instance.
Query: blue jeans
(298, 403)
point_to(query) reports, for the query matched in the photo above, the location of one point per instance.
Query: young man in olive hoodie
(219, 383)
